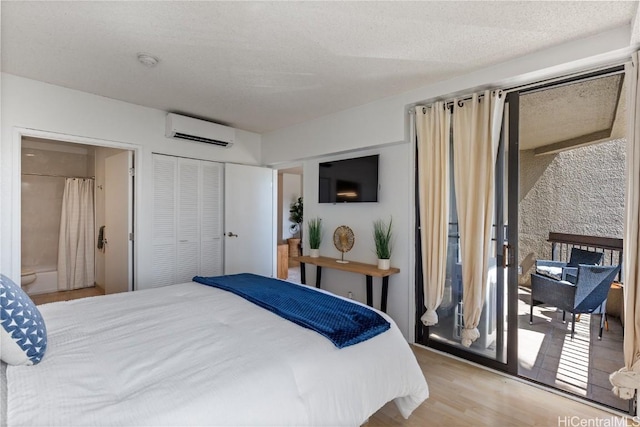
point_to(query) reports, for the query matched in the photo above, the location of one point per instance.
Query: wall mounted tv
(349, 180)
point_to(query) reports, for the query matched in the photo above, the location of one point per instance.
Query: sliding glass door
(568, 136)
(496, 341)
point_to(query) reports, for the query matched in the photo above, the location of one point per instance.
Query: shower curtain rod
(60, 176)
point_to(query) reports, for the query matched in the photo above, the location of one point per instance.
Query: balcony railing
(561, 245)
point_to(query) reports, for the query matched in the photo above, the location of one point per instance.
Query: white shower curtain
(77, 241)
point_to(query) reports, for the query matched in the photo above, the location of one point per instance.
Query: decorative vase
(384, 264)
(314, 253)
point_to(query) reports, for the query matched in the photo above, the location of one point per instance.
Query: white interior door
(249, 241)
(118, 188)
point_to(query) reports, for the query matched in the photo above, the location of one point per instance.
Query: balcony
(546, 352)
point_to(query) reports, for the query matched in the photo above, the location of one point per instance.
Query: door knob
(230, 234)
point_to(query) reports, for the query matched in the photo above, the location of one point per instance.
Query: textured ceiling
(574, 114)
(261, 66)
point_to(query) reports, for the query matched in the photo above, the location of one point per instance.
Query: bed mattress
(190, 354)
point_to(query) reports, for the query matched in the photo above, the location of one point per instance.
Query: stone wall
(579, 191)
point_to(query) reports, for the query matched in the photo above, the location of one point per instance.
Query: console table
(369, 270)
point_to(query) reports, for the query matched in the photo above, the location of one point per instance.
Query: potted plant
(382, 237)
(295, 216)
(315, 236)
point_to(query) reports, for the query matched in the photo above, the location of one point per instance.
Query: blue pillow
(23, 336)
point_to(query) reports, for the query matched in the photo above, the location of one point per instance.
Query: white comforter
(190, 354)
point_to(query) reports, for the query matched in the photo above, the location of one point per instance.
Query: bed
(190, 354)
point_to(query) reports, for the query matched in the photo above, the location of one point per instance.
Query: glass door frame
(505, 255)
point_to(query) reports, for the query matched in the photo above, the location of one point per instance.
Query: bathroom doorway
(69, 193)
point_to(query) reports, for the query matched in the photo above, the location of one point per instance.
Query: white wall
(394, 193)
(384, 125)
(35, 105)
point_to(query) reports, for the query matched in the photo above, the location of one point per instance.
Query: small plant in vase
(296, 215)
(382, 237)
(315, 237)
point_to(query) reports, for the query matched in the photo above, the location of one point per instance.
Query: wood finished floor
(67, 295)
(462, 394)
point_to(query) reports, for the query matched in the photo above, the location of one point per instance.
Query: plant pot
(384, 264)
(314, 253)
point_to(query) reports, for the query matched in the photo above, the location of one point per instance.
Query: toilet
(27, 277)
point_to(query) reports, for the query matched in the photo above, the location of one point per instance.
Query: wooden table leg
(383, 298)
(369, 291)
(318, 276)
(303, 276)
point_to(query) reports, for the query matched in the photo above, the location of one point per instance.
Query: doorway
(69, 194)
(572, 148)
(290, 196)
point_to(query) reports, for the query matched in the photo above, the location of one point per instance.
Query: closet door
(188, 220)
(211, 231)
(164, 220)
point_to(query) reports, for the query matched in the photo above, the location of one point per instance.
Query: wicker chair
(585, 296)
(569, 270)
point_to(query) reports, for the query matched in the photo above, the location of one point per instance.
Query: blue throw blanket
(342, 322)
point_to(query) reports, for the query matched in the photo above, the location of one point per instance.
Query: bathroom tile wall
(42, 202)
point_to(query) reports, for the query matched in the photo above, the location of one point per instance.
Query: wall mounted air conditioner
(182, 127)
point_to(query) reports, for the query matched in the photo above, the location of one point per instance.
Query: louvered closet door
(164, 220)
(211, 231)
(188, 249)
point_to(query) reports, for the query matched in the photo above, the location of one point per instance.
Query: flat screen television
(349, 180)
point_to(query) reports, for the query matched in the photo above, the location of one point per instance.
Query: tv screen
(349, 180)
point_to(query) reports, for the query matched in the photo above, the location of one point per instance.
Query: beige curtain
(476, 133)
(627, 379)
(77, 236)
(433, 138)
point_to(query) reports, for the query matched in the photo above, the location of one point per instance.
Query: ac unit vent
(182, 127)
(200, 139)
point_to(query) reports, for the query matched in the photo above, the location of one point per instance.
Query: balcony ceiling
(574, 115)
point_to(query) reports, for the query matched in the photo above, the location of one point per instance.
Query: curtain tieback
(469, 335)
(430, 317)
(625, 382)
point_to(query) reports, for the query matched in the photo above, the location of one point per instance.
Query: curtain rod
(59, 176)
(450, 103)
